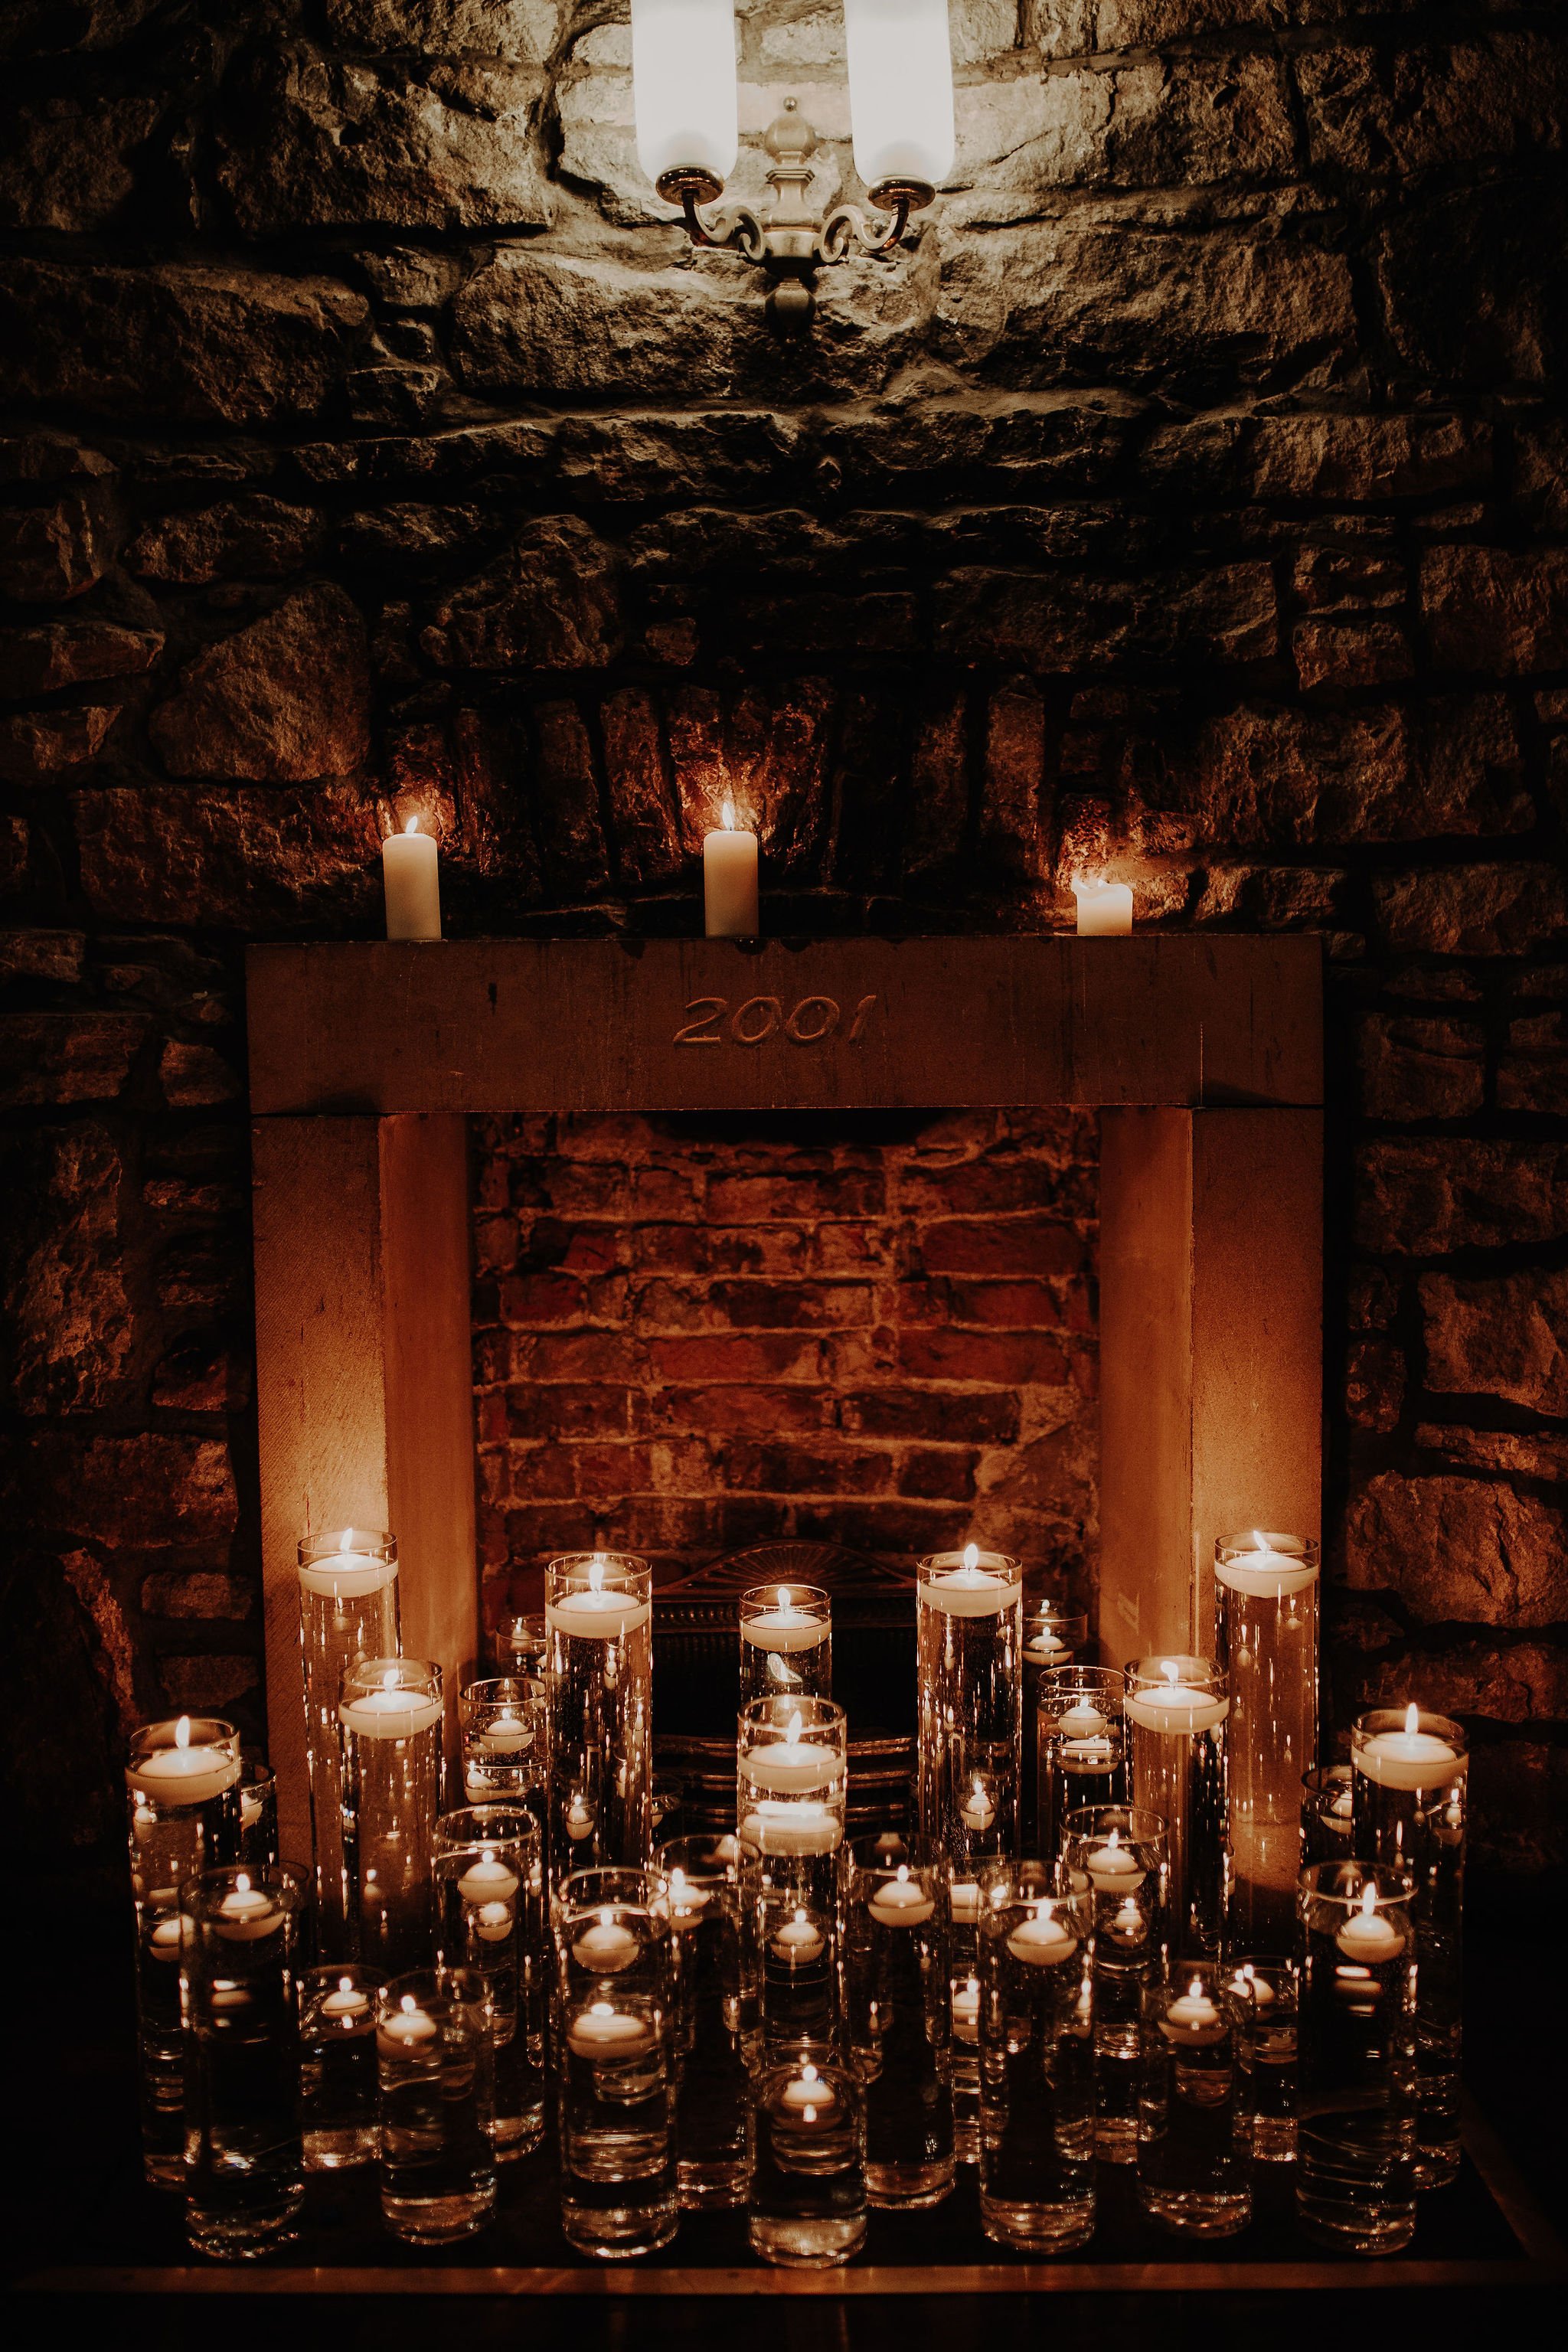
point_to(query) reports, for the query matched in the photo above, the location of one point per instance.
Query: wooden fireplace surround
(1203, 1054)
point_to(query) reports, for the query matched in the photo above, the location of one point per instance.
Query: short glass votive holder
(489, 1918)
(258, 1814)
(1266, 1989)
(1194, 2168)
(391, 1713)
(1036, 2057)
(348, 1611)
(786, 1642)
(1175, 1708)
(1356, 2136)
(713, 2084)
(1409, 1780)
(338, 2066)
(806, 2208)
(1052, 1637)
(598, 1615)
(182, 1785)
(434, 2062)
(519, 1644)
(1080, 1747)
(900, 2016)
(505, 1728)
(240, 1969)
(1120, 1850)
(616, 2076)
(1328, 1825)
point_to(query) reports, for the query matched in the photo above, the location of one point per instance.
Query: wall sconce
(900, 108)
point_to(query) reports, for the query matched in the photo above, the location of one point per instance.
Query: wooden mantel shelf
(711, 1024)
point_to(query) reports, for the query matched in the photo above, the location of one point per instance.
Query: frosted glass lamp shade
(683, 78)
(900, 90)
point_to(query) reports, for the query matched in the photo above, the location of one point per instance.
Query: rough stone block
(1484, 910)
(551, 602)
(68, 1057)
(42, 955)
(1413, 109)
(143, 1491)
(1505, 1338)
(1457, 1551)
(1051, 621)
(36, 747)
(1526, 1455)
(197, 1593)
(70, 1334)
(1533, 1074)
(72, 653)
(282, 701)
(49, 554)
(258, 538)
(231, 859)
(207, 1684)
(173, 341)
(526, 29)
(1491, 609)
(1374, 1385)
(1412, 1069)
(1424, 1198)
(1469, 280)
(1354, 460)
(1344, 656)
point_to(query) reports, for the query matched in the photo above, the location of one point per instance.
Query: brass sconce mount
(790, 242)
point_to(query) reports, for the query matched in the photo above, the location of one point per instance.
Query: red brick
(543, 1473)
(901, 1528)
(531, 1298)
(977, 1418)
(938, 1473)
(580, 1356)
(491, 1423)
(664, 1194)
(585, 1191)
(742, 1411)
(794, 1199)
(1015, 1247)
(682, 1465)
(803, 1470)
(778, 1305)
(495, 1244)
(851, 1248)
(606, 1471)
(580, 1249)
(1015, 1306)
(676, 1249)
(773, 1253)
(975, 1187)
(671, 1306)
(544, 1528)
(761, 1356)
(1011, 1362)
(569, 1410)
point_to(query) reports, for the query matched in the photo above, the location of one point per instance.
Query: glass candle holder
(1266, 1987)
(667, 1808)
(258, 1813)
(338, 2066)
(1176, 1709)
(348, 1611)
(1080, 1753)
(1356, 2149)
(793, 1774)
(433, 2049)
(792, 1763)
(616, 2081)
(599, 1676)
(505, 1728)
(241, 1932)
(1036, 2057)
(963, 2007)
(182, 1785)
(1266, 1588)
(1410, 1772)
(899, 2007)
(969, 1635)
(1328, 1809)
(1195, 2171)
(786, 1642)
(520, 1644)
(1120, 1850)
(390, 1710)
(806, 2210)
(713, 2084)
(489, 1918)
(1053, 1638)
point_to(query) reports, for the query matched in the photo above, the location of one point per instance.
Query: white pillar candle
(1042, 1940)
(579, 1819)
(411, 877)
(488, 1881)
(730, 880)
(971, 1583)
(1175, 1707)
(784, 1628)
(964, 1902)
(687, 1903)
(345, 1575)
(900, 1902)
(977, 1813)
(1104, 909)
(809, 2097)
(493, 1922)
(791, 1766)
(598, 1613)
(247, 1912)
(164, 1941)
(779, 1827)
(391, 1713)
(1408, 1759)
(1081, 1721)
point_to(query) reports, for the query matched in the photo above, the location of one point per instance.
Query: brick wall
(695, 1335)
(1192, 493)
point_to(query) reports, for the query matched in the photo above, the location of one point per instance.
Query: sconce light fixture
(900, 108)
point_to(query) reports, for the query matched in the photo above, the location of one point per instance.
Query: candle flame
(783, 1596)
(601, 2008)
(903, 1873)
(1112, 1840)
(727, 815)
(1196, 1990)
(389, 1679)
(808, 2074)
(677, 1883)
(1260, 1541)
(408, 2004)
(345, 1984)
(607, 1916)
(1171, 1671)
(793, 1733)
(412, 825)
(971, 1559)
(242, 1884)
(596, 1574)
(1412, 1720)
(1368, 1900)
(800, 1918)
(487, 1854)
(182, 1732)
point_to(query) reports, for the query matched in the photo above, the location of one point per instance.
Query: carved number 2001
(762, 1017)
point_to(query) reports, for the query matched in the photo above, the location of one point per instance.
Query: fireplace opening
(695, 1335)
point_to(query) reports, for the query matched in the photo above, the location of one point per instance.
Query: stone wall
(1192, 490)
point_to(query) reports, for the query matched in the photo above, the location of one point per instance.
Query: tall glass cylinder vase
(505, 1726)
(1410, 1772)
(1120, 1850)
(791, 1766)
(1054, 1637)
(714, 2088)
(1080, 1746)
(183, 1785)
(520, 1644)
(348, 1611)
(1266, 1590)
(1036, 2057)
(1356, 2173)
(1195, 2159)
(242, 1932)
(489, 1918)
(1176, 1709)
(598, 1615)
(897, 1996)
(1328, 1815)
(969, 1621)
(786, 1642)
(391, 1713)
(616, 2007)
